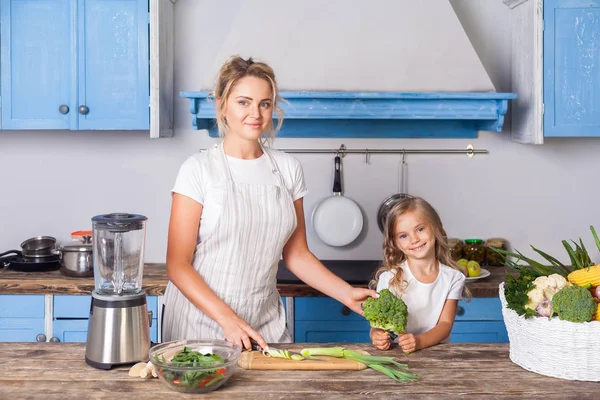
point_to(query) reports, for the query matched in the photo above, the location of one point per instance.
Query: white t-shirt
(425, 301)
(198, 180)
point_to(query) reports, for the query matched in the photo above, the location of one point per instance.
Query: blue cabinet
(71, 315)
(322, 320)
(21, 317)
(479, 320)
(75, 64)
(571, 68)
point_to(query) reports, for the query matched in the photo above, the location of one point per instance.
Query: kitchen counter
(358, 273)
(58, 371)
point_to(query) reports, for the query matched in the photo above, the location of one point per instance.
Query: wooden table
(58, 371)
(155, 281)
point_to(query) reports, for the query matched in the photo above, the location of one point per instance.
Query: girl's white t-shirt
(198, 180)
(425, 301)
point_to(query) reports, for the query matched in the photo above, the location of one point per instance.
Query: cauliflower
(545, 289)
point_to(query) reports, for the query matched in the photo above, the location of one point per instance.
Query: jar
(456, 248)
(493, 258)
(474, 250)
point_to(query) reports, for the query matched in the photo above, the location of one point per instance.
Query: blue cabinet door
(71, 317)
(332, 331)
(571, 68)
(21, 317)
(323, 320)
(35, 63)
(113, 65)
(479, 320)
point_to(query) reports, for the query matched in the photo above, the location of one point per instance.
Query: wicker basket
(556, 348)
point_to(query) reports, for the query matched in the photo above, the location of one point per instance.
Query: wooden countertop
(155, 282)
(58, 371)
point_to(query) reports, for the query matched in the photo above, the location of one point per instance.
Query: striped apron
(239, 259)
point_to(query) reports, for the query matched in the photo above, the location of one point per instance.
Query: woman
(236, 209)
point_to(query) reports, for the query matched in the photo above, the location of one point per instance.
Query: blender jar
(118, 243)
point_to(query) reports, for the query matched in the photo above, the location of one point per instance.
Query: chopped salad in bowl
(195, 366)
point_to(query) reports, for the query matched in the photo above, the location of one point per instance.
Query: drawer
(479, 309)
(22, 306)
(78, 306)
(323, 309)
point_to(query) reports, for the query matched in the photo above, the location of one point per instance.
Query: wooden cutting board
(256, 360)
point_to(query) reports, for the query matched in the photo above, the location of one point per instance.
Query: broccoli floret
(574, 303)
(386, 312)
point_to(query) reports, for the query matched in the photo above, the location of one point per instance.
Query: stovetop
(352, 271)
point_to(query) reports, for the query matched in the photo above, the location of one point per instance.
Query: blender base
(118, 330)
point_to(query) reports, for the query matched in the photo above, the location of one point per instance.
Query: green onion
(386, 365)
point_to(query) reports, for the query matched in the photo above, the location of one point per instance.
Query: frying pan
(392, 200)
(337, 220)
(19, 262)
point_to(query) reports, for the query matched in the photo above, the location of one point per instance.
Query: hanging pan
(394, 199)
(337, 220)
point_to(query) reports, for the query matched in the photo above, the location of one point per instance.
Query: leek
(386, 365)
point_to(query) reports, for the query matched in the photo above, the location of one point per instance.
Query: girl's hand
(357, 297)
(380, 339)
(407, 342)
(240, 332)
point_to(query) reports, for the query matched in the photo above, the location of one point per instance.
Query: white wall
(54, 182)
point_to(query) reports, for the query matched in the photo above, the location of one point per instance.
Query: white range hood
(403, 68)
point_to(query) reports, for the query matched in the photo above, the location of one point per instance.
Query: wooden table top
(155, 282)
(471, 371)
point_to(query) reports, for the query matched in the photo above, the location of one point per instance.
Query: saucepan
(394, 199)
(337, 220)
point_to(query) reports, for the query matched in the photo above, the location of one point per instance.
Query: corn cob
(584, 276)
(597, 316)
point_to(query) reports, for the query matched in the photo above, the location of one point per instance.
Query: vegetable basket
(551, 347)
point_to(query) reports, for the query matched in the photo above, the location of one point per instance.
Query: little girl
(418, 268)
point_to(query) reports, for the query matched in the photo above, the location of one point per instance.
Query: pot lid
(77, 247)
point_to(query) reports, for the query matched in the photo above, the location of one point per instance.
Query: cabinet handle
(346, 310)
(460, 310)
(150, 319)
(63, 109)
(40, 338)
(83, 110)
(54, 339)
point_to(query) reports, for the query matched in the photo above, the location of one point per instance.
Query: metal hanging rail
(470, 151)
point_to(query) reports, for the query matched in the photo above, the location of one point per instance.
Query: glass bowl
(195, 377)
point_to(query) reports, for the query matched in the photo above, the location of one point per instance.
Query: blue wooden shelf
(375, 114)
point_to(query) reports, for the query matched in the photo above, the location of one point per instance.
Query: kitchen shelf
(312, 114)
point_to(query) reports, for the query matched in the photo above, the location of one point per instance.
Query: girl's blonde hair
(393, 257)
(231, 72)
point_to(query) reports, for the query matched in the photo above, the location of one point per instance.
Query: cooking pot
(77, 259)
(39, 246)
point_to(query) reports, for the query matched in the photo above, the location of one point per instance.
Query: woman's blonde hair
(393, 257)
(231, 72)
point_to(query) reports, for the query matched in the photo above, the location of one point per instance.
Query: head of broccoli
(574, 303)
(386, 312)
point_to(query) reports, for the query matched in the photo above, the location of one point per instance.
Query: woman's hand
(357, 297)
(240, 332)
(407, 342)
(380, 339)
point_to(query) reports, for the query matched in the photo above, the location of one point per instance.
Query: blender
(118, 330)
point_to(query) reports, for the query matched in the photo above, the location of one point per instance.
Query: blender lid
(119, 222)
